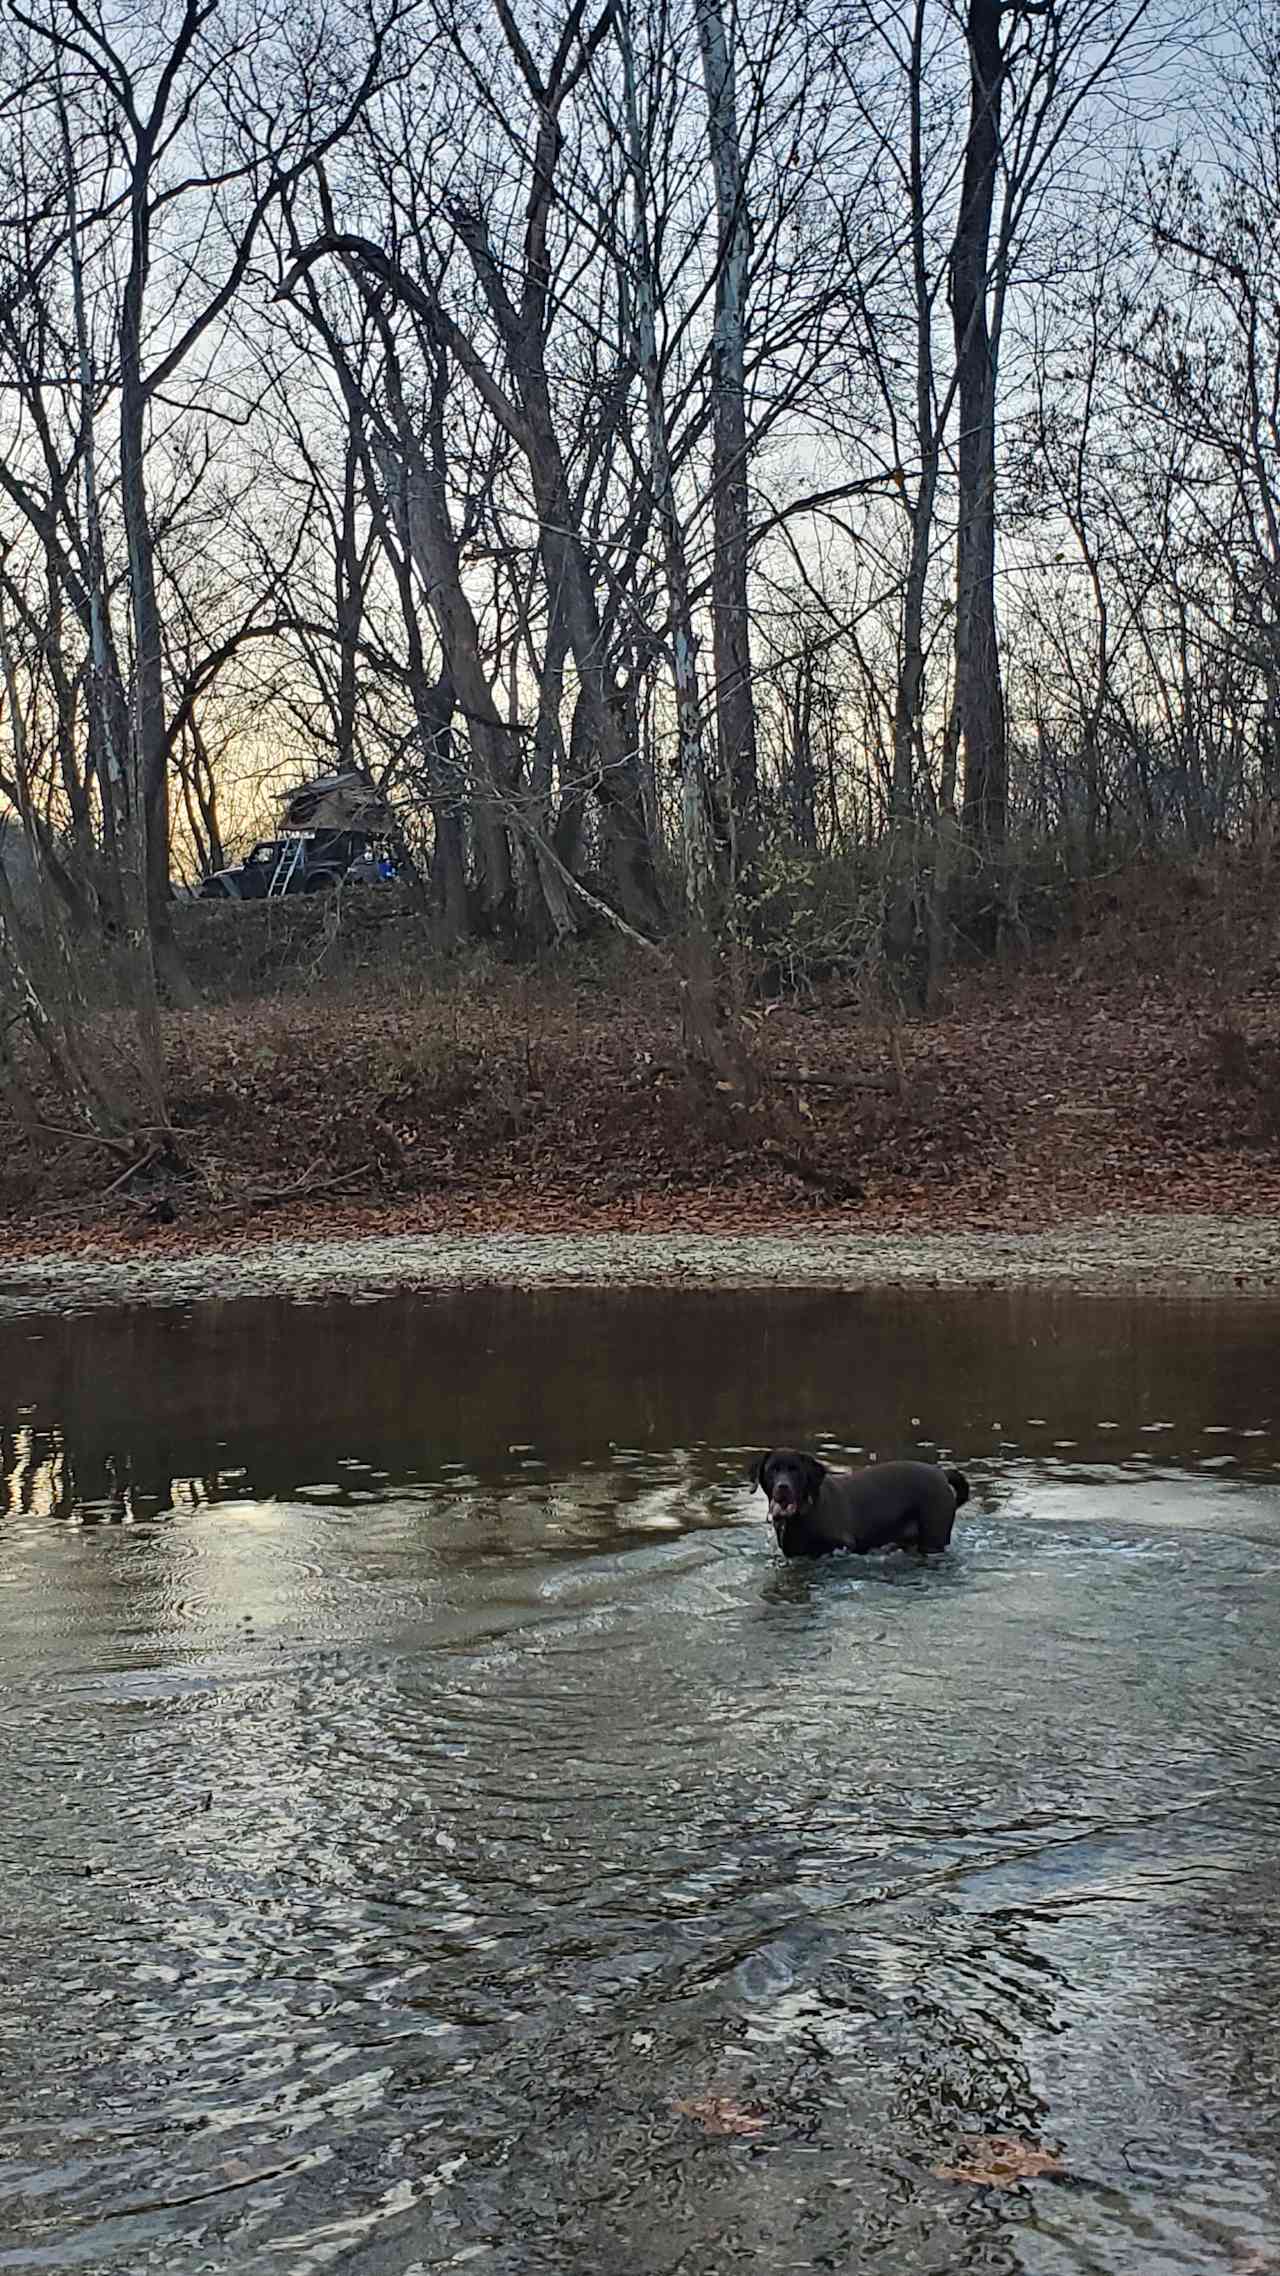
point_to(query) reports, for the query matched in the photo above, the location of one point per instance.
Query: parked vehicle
(332, 828)
(294, 863)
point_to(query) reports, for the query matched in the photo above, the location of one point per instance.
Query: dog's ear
(759, 1472)
(814, 1472)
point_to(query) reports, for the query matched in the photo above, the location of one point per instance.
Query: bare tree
(730, 603)
(171, 123)
(979, 696)
(697, 795)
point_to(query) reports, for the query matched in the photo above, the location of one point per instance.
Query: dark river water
(430, 1815)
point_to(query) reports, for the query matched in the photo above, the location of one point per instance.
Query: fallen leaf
(1083, 1078)
(716, 2114)
(1000, 2161)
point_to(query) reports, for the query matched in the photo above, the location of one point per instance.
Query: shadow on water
(265, 1398)
(438, 1832)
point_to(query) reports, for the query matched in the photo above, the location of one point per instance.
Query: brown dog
(903, 1505)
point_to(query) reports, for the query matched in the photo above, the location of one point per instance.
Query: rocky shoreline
(1149, 1255)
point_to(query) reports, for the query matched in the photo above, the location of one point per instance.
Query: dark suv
(287, 865)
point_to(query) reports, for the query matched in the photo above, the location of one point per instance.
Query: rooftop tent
(346, 802)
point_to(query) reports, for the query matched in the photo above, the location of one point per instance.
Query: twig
(809, 1009)
(802, 1078)
(143, 1162)
(808, 1078)
(265, 1196)
(95, 1137)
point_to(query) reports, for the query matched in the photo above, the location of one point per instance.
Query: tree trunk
(556, 910)
(123, 815)
(148, 739)
(428, 535)
(908, 707)
(348, 603)
(567, 574)
(979, 692)
(802, 777)
(570, 822)
(695, 796)
(735, 702)
(433, 706)
(108, 722)
(909, 779)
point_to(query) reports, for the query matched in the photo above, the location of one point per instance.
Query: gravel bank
(1153, 1255)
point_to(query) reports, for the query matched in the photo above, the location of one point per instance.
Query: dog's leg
(933, 1531)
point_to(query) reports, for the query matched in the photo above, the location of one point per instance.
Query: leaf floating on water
(716, 2114)
(1000, 2161)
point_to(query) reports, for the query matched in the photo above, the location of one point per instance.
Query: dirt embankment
(1128, 1072)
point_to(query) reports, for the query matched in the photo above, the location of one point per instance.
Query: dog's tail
(959, 1485)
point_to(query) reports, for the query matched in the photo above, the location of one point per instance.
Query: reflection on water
(420, 1778)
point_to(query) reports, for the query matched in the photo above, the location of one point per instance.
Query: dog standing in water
(902, 1505)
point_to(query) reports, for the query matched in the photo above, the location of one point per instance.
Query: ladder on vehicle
(286, 868)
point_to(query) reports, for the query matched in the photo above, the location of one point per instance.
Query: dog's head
(792, 1481)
